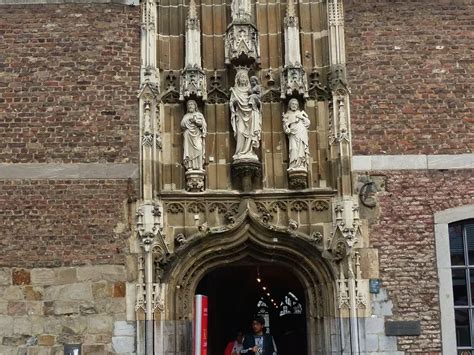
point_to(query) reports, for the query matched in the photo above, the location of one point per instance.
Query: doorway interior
(237, 293)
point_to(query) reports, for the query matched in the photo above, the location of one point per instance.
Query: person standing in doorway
(259, 343)
(235, 346)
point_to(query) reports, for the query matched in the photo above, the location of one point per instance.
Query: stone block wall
(68, 81)
(410, 73)
(43, 308)
(402, 229)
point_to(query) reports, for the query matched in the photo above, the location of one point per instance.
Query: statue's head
(294, 105)
(192, 106)
(253, 80)
(242, 78)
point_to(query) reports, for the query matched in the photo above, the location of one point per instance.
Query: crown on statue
(240, 69)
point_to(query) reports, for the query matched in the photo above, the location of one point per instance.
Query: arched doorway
(251, 239)
(238, 292)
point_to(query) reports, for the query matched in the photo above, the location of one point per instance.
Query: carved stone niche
(242, 44)
(246, 174)
(195, 180)
(193, 84)
(294, 82)
(297, 179)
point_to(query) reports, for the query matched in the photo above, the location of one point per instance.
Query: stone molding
(412, 162)
(49, 2)
(446, 303)
(68, 171)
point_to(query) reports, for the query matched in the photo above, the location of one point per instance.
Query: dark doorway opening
(237, 293)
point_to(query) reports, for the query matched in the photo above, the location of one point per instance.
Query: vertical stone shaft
(340, 135)
(193, 38)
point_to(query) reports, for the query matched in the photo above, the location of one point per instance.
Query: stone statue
(246, 116)
(295, 125)
(241, 10)
(194, 131)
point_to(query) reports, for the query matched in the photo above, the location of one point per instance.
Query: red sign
(200, 325)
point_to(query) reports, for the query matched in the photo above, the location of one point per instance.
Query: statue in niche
(241, 10)
(246, 116)
(194, 132)
(295, 125)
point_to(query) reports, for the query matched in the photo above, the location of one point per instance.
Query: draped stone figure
(295, 125)
(194, 132)
(246, 116)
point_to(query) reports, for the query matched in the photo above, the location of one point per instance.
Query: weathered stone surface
(94, 349)
(101, 272)
(43, 276)
(13, 293)
(21, 277)
(74, 325)
(100, 324)
(66, 275)
(46, 340)
(123, 328)
(6, 325)
(32, 293)
(70, 292)
(15, 341)
(5, 276)
(22, 325)
(64, 308)
(123, 344)
(16, 308)
(101, 290)
(119, 289)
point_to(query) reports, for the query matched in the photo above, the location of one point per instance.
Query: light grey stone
(5, 276)
(13, 293)
(362, 163)
(123, 328)
(457, 161)
(67, 171)
(70, 292)
(100, 324)
(399, 162)
(101, 272)
(372, 342)
(66, 275)
(454, 214)
(6, 325)
(44, 277)
(65, 308)
(22, 325)
(123, 344)
(387, 343)
(75, 324)
(374, 325)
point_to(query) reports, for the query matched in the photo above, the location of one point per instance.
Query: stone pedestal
(195, 180)
(297, 179)
(246, 172)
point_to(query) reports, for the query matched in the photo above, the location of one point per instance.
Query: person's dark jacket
(268, 345)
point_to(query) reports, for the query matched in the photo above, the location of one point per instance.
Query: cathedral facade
(306, 161)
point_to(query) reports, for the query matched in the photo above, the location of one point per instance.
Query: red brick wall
(404, 235)
(408, 97)
(49, 223)
(68, 81)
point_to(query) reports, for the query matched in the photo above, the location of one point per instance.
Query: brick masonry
(403, 232)
(68, 81)
(410, 71)
(51, 223)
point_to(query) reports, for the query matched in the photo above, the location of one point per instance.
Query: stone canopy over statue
(246, 116)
